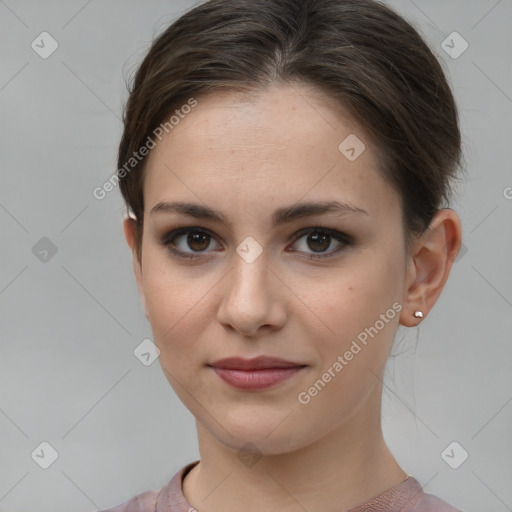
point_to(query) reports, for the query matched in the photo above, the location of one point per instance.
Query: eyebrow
(281, 215)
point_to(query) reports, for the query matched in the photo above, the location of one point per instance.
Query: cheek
(360, 305)
(352, 352)
(379, 274)
(175, 302)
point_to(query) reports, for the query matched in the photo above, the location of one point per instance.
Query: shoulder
(144, 502)
(431, 503)
(169, 497)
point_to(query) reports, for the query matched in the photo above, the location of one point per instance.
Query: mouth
(257, 363)
(255, 374)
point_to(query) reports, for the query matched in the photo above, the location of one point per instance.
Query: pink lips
(254, 374)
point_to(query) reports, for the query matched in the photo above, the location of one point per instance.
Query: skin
(247, 156)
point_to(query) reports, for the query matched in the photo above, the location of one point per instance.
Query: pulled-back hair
(358, 52)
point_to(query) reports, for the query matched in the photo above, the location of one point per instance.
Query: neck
(345, 468)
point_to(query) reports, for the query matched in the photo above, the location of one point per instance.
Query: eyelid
(330, 231)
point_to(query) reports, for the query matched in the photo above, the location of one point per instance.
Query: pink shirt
(407, 496)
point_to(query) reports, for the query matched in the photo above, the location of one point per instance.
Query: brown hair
(358, 52)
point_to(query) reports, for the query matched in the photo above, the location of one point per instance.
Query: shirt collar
(171, 498)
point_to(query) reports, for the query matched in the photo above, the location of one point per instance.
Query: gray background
(70, 324)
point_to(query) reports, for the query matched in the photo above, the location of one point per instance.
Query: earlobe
(130, 227)
(432, 257)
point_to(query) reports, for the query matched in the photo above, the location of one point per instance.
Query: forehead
(286, 141)
(291, 114)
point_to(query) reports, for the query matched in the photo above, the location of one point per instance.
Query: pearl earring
(418, 314)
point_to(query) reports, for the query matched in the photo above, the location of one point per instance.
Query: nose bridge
(250, 299)
(250, 272)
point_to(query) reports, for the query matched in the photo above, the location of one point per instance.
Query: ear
(130, 229)
(431, 259)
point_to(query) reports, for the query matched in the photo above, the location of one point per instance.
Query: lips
(255, 374)
(257, 363)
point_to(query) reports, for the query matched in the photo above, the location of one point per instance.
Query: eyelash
(168, 241)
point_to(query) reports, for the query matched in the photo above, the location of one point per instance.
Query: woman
(285, 164)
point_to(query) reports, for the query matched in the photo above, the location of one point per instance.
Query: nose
(253, 298)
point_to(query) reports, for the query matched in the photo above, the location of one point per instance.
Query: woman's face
(246, 287)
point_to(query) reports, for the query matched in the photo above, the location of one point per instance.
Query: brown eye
(187, 242)
(319, 240)
(198, 241)
(190, 242)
